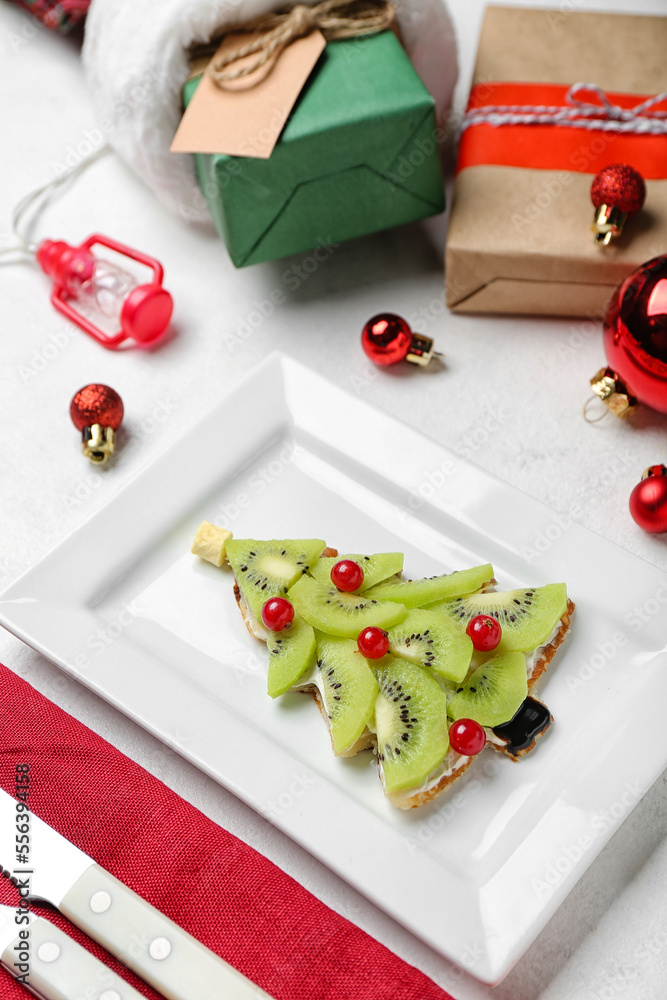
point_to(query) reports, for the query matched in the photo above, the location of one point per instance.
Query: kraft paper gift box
(359, 154)
(520, 237)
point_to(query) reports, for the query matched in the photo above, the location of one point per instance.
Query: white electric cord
(39, 199)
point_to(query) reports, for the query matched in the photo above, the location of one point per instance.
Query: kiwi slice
(291, 652)
(411, 724)
(528, 617)
(330, 610)
(417, 593)
(376, 568)
(494, 692)
(429, 639)
(268, 569)
(347, 688)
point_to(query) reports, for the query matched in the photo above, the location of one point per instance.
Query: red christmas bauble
(620, 186)
(96, 404)
(386, 339)
(648, 500)
(635, 333)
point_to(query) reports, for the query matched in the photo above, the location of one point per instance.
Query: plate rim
(494, 967)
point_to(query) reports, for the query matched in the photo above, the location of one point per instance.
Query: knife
(51, 964)
(157, 949)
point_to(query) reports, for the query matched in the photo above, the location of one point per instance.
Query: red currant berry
(347, 575)
(373, 643)
(485, 633)
(467, 737)
(277, 613)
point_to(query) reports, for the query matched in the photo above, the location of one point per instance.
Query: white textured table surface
(509, 398)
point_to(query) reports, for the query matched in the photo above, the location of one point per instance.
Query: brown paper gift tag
(248, 115)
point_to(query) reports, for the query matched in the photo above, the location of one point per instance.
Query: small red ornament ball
(467, 737)
(277, 614)
(373, 643)
(635, 333)
(620, 186)
(386, 339)
(347, 575)
(485, 633)
(96, 404)
(648, 500)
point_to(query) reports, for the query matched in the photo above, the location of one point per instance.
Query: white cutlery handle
(157, 949)
(60, 969)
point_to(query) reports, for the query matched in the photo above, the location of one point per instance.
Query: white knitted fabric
(135, 56)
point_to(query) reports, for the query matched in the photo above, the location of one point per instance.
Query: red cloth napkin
(220, 890)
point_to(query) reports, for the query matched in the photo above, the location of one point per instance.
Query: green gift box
(359, 154)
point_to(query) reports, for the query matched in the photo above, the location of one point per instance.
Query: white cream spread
(532, 659)
(452, 762)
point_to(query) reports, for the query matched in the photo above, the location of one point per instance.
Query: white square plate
(123, 606)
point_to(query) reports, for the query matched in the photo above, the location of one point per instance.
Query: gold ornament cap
(421, 350)
(615, 395)
(98, 443)
(608, 223)
(654, 470)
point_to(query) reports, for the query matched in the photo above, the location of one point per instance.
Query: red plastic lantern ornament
(617, 193)
(388, 339)
(635, 343)
(106, 293)
(97, 411)
(648, 500)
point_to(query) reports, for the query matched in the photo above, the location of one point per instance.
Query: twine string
(578, 113)
(336, 19)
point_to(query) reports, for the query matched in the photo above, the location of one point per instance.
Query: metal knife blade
(53, 865)
(156, 948)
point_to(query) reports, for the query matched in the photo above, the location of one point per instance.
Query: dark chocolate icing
(531, 719)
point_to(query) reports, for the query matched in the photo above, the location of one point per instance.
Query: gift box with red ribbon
(557, 95)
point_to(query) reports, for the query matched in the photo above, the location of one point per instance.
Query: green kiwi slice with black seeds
(291, 652)
(417, 593)
(431, 640)
(527, 617)
(347, 689)
(411, 724)
(494, 692)
(331, 611)
(265, 569)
